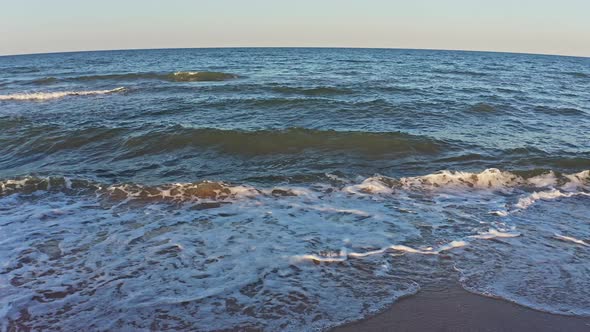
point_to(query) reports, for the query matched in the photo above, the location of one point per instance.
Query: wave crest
(56, 95)
(492, 179)
(205, 190)
(204, 76)
(179, 76)
(562, 185)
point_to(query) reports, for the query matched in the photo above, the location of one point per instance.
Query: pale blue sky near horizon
(529, 26)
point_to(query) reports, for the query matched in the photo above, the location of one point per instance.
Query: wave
(577, 74)
(343, 256)
(355, 61)
(553, 194)
(205, 190)
(459, 72)
(45, 80)
(331, 257)
(490, 179)
(558, 111)
(316, 91)
(21, 70)
(286, 141)
(56, 95)
(200, 76)
(148, 141)
(180, 76)
(482, 108)
(571, 239)
(494, 233)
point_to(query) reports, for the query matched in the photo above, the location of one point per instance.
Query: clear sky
(532, 26)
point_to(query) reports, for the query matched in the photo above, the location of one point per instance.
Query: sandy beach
(451, 308)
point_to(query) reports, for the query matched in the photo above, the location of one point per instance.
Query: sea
(291, 189)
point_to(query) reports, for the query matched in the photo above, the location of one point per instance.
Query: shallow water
(287, 189)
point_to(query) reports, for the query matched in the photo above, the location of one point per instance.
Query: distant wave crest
(56, 94)
(179, 76)
(190, 76)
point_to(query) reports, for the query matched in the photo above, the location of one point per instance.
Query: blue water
(288, 189)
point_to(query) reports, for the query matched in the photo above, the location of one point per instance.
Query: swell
(45, 80)
(558, 111)
(285, 141)
(23, 143)
(21, 70)
(21, 138)
(315, 91)
(577, 74)
(459, 72)
(482, 108)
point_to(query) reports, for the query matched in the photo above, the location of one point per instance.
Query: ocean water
(287, 189)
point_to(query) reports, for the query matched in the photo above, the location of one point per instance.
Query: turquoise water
(287, 189)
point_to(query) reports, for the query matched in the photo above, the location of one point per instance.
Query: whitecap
(525, 202)
(56, 94)
(493, 233)
(571, 239)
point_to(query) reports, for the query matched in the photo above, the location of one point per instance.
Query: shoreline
(452, 308)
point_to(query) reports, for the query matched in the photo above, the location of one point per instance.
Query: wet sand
(451, 308)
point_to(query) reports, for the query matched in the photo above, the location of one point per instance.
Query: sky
(528, 26)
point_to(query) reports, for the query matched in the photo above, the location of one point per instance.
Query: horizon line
(293, 47)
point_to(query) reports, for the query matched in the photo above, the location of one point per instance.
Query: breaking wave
(56, 95)
(558, 185)
(205, 190)
(492, 178)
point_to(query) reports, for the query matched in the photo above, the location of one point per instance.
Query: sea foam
(290, 253)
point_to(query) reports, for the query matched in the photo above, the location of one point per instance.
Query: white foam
(16, 183)
(571, 239)
(501, 213)
(491, 178)
(368, 253)
(543, 180)
(267, 245)
(525, 202)
(323, 208)
(493, 233)
(318, 258)
(452, 245)
(577, 181)
(372, 185)
(337, 178)
(343, 256)
(243, 191)
(180, 73)
(57, 94)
